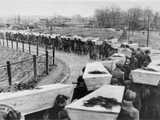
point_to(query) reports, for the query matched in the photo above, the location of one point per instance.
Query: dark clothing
(124, 115)
(126, 69)
(81, 89)
(146, 60)
(128, 112)
(147, 101)
(117, 76)
(140, 59)
(133, 62)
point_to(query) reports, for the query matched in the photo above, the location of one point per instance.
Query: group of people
(134, 105)
(128, 111)
(30, 38)
(139, 59)
(137, 97)
(145, 94)
(80, 47)
(75, 45)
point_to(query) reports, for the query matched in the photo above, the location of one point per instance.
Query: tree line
(132, 19)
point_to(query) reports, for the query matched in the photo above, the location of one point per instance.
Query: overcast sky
(68, 7)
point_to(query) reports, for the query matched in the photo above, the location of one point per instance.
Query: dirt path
(59, 71)
(73, 61)
(56, 75)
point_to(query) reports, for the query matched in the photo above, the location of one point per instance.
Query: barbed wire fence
(41, 62)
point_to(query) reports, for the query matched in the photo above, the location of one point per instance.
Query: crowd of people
(143, 93)
(139, 59)
(75, 45)
(135, 97)
(137, 100)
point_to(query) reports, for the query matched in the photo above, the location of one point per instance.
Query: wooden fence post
(9, 73)
(29, 45)
(47, 62)
(35, 67)
(17, 44)
(7, 42)
(53, 51)
(3, 42)
(37, 48)
(4, 39)
(23, 46)
(12, 43)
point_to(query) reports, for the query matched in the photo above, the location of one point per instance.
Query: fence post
(53, 50)
(35, 67)
(3, 42)
(12, 43)
(17, 44)
(22, 45)
(29, 47)
(9, 73)
(37, 48)
(4, 39)
(7, 42)
(47, 62)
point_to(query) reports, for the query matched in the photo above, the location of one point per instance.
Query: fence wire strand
(23, 70)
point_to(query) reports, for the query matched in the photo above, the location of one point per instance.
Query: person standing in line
(128, 111)
(81, 88)
(147, 59)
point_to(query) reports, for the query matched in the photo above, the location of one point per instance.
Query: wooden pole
(29, 45)
(9, 73)
(47, 62)
(7, 42)
(53, 51)
(148, 34)
(37, 47)
(12, 43)
(3, 42)
(128, 28)
(22, 45)
(35, 67)
(3, 38)
(17, 44)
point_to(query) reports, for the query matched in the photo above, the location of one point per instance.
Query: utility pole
(128, 28)
(148, 32)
